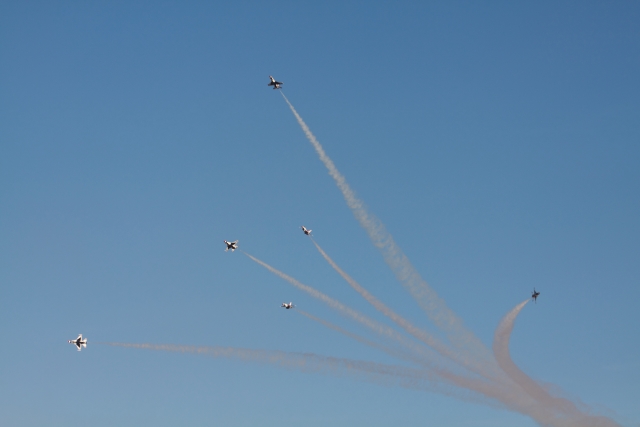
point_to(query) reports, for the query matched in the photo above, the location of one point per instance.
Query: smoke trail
(501, 390)
(418, 333)
(351, 335)
(503, 357)
(429, 301)
(475, 386)
(427, 354)
(565, 412)
(378, 373)
(433, 305)
(390, 350)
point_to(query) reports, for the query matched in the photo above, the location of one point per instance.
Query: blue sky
(498, 143)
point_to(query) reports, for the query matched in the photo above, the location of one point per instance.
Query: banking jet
(305, 231)
(534, 295)
(79, 342)
(287, 306)
(274, 83)
(231, 245)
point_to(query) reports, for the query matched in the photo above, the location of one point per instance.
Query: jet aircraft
(287, 306)
(79, 342)
(305, 231)
(534, 295)
(274, 83)
(231, 245)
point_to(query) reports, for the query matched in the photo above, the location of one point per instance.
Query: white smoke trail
(428, 356)
(416, 332)
(349, 334)
(444, 318)
(561, 411)
(429, 301)
(493, 391)
(393, 351)
(378, 373)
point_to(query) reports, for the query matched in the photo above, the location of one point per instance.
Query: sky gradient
(499, 145)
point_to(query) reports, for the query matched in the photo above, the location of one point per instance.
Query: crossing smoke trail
(428, 357)
(351, 335)
(390, 350)
(496, 391)
(492, 395)
(418, 333)
(517, 392)
(378, 373)
(429, 301)
(563, 409)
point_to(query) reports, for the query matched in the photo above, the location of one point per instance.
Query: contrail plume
(495, 391)
(517, 392)
(416, 332)
(427, 354)
(427, 298)
(564, 411)
(351, 335)
(471, 384)
(390, 350)
(378, 373)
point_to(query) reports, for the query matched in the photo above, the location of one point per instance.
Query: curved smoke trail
(378, 373)
(427, 298)
(349, 334)
(420, 334)
(525, 395)
(563, 411)
(427, 354)
(393, 351)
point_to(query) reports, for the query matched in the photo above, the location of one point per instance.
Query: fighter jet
(534, 295)
(274, 83)
(287, 306)
(305, 231)
(231, 245)
(79, 342)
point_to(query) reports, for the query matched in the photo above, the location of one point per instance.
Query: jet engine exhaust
(377, 373)
(416, 332)
(375, 326)
(407, 275)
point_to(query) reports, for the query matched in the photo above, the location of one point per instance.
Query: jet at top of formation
(231, 245)
(287, 306)
(305, 231)
(79, 342)
(274, 83)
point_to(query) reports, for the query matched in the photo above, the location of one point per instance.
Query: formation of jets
(274, 83)
(79, 342)
(232, 246)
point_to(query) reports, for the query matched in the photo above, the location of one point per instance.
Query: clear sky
(499, 143)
